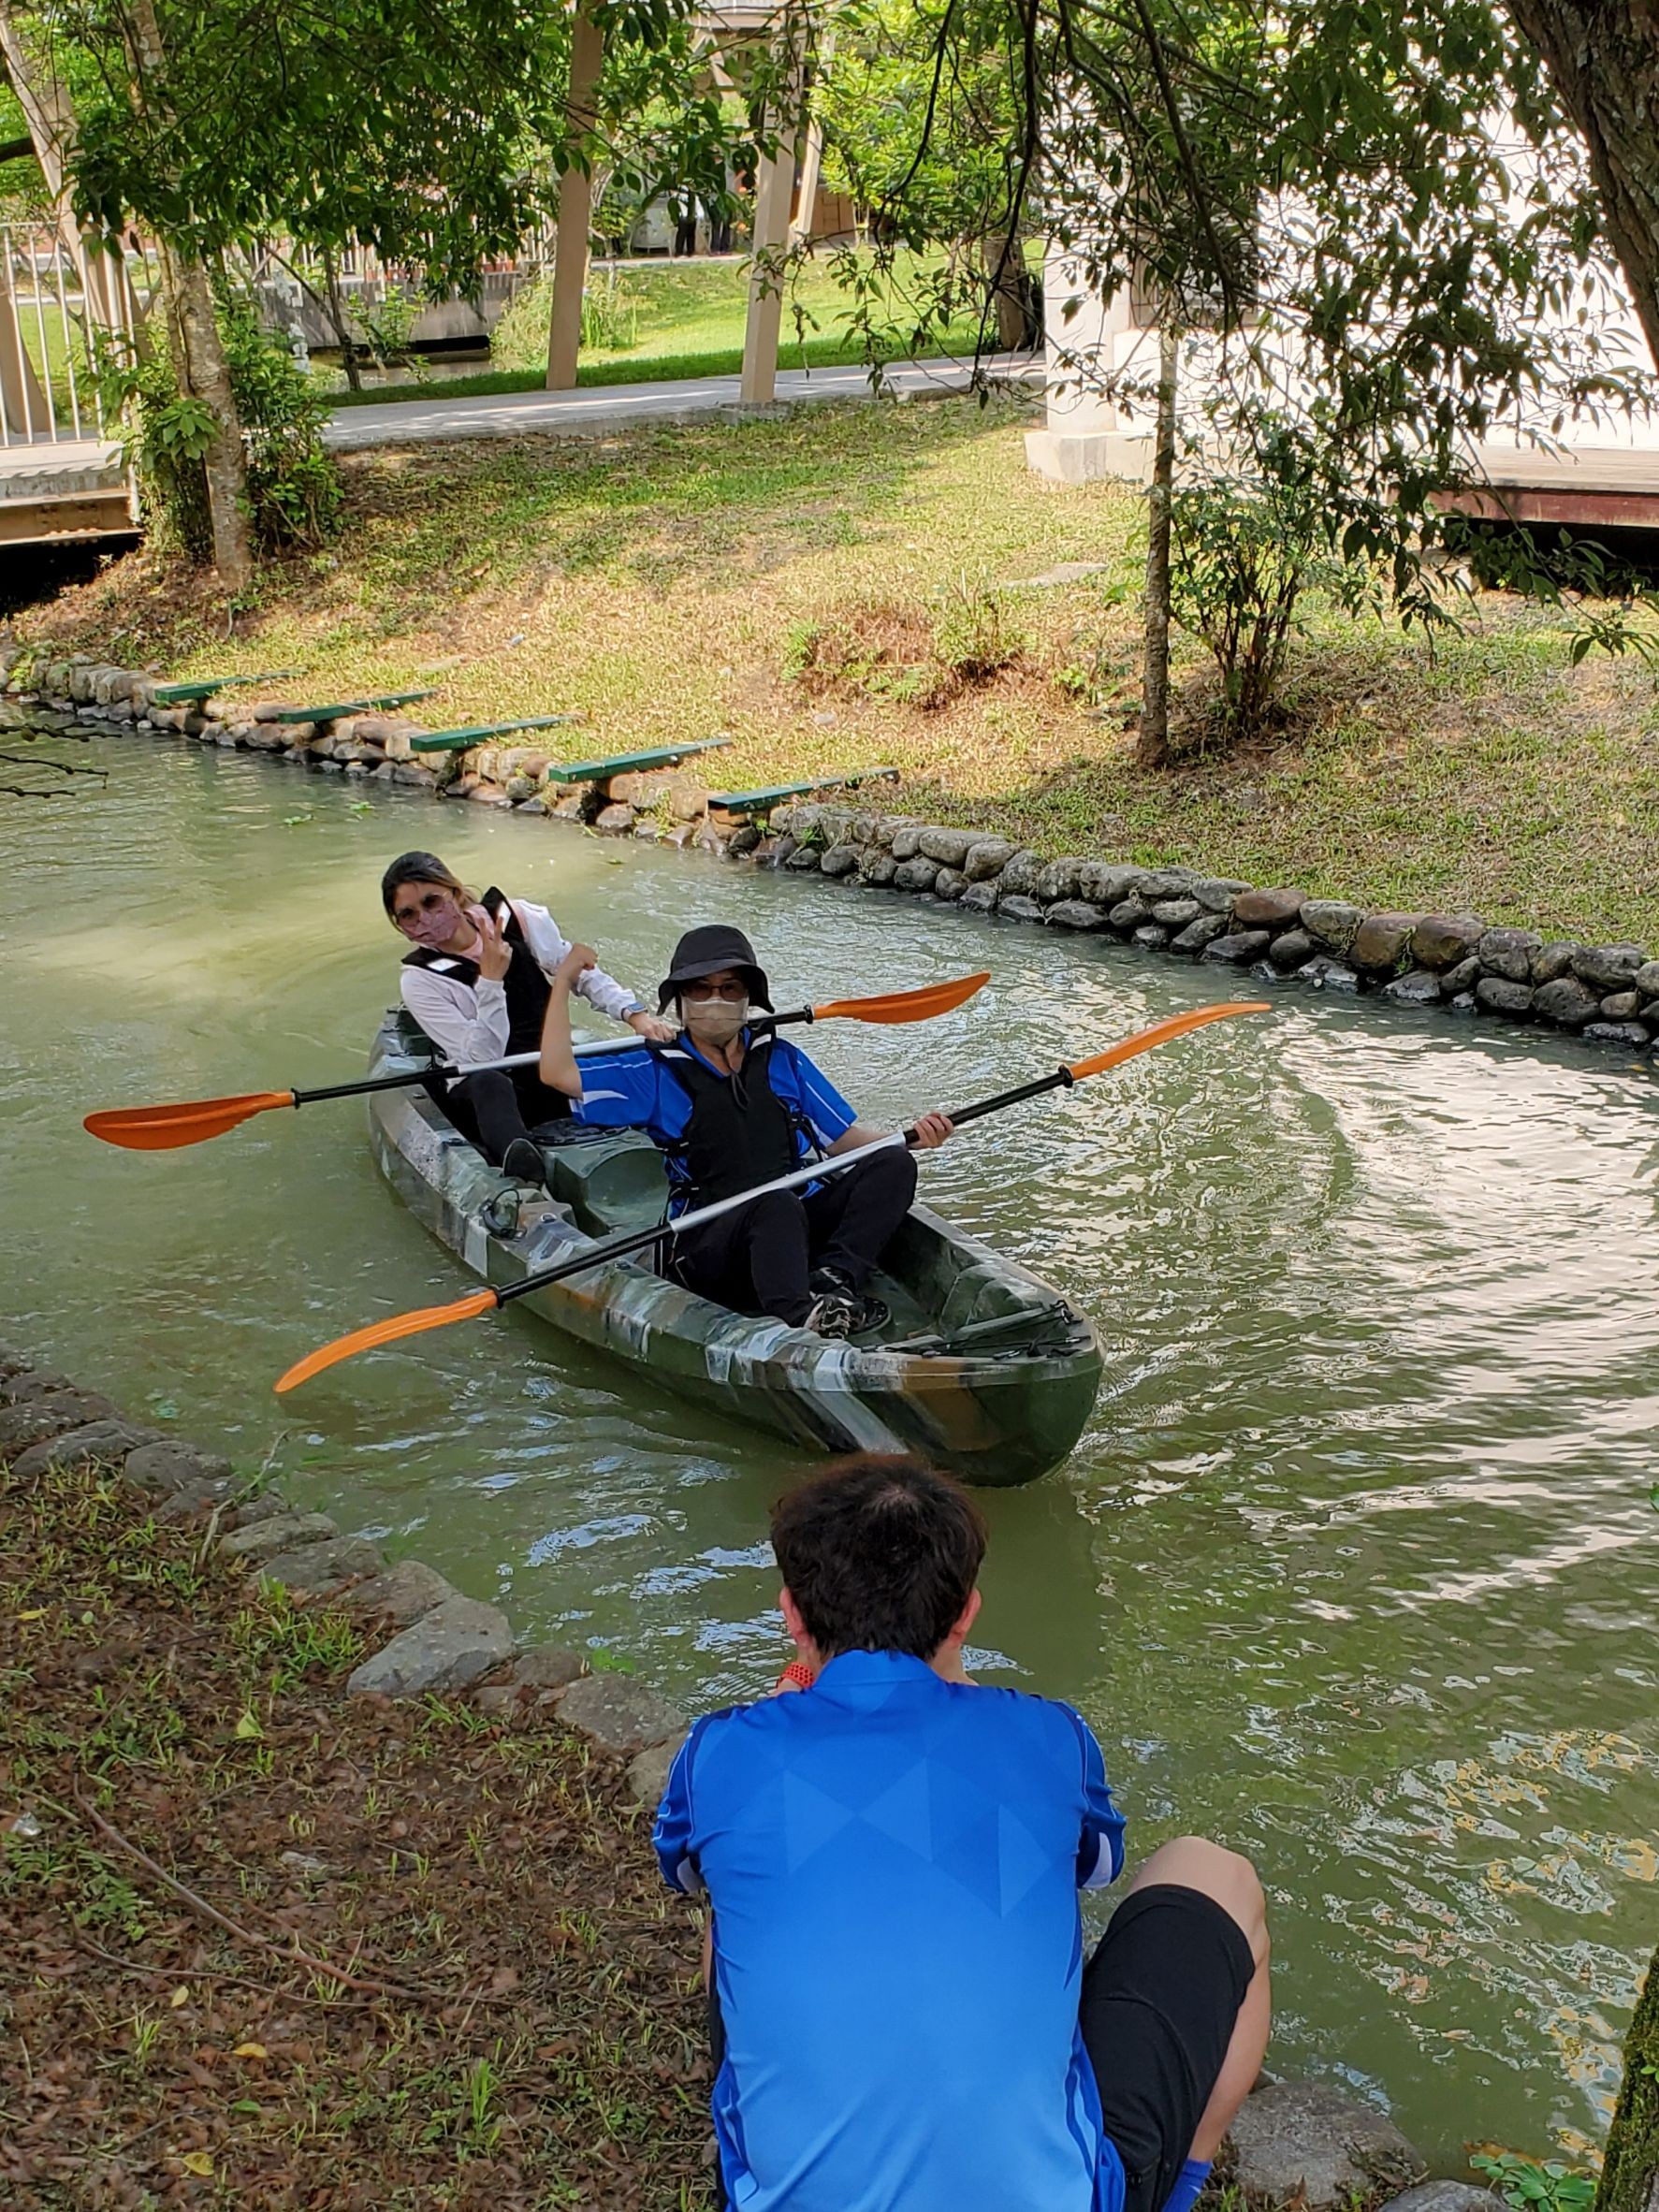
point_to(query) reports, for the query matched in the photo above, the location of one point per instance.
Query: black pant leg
(491, 1101)
(538, 1101)
(753, 1259)
(852, 1220)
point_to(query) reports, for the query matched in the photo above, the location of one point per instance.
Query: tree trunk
(1603, 57)
(198, 352)
(1004, 266)
(348, 352)
(1153, 751)
(1630, 2171)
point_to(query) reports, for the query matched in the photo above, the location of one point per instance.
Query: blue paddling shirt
(639, 1090)
(893, 1863)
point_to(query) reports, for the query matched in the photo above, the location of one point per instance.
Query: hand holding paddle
(484, 1301)
(165, 1128)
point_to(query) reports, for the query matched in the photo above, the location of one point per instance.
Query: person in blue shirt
(733, 1105)
(903, 2017)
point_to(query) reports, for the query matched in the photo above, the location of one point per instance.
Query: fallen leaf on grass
(250, 2051)
(180, 1996)
(198, 2162)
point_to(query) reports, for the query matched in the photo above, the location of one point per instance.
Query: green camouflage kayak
(982, 1369)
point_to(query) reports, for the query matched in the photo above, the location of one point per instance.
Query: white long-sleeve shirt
(468, 1022)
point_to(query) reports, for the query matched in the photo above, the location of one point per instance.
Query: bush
(610, 321)
(293, 487)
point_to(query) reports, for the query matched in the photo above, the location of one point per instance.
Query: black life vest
(527, 989)
(741, 1133)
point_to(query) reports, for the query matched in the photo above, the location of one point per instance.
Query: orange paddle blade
(365, 1340)
(906, 1005)
(1161, 1032)
(163, 1129)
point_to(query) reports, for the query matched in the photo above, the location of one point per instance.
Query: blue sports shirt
(633, 1090)
(893, 1863)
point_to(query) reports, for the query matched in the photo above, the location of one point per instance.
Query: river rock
(1326, 974)
(915, 875)
(980, 897)
(35, 1419)
(806, 859)
(740, 844)
(1441, 941)
(1646, 978)
(1059, 879)
(171, 1465)
(1379, 943)
(1075, 913)
(549, 1667)
(1019, 907)
(783, 849)
(446, 1649)
(1020, 874)
(619, 1713)
(1420, 987)
(1268, 910)
(1238, 946)
(264, 1505)
(34, 1382)
(1107, 883)
(1567, 1002)
(1630, 1033)
(1609, 968)
(405, 1593)
(1464, 977)
(1332, 921)
(1218, 894)
(1198, 934)
(987, 857)
(648, 1771)
(1152, 936)
(1448, 2196)
(1172, 882)
(878, 868)
(1129, 913)
(324, 1567)
(1291, 949)
(90, 1446)
(840, 860)
(1498, 995)
(1175, 913)
(1621, 1006)
(1508, 953)
(949, 847)
(1297, 2140)
(1554, 959)
(907, 842)
(949, 883)
(282, 1532)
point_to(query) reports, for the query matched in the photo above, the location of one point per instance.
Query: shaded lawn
(670, 583)
(496, 2010)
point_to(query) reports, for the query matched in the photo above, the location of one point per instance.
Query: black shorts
(1160, 1998)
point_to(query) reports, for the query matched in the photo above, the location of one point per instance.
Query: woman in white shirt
(476, 980)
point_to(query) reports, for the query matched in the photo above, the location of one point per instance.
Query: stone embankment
(1608, 994)
(1296, 2144)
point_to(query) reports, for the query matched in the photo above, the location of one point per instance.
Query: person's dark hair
(421, 867)
(879, 1554)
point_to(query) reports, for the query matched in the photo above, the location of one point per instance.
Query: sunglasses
(734, 993)
(433, 902)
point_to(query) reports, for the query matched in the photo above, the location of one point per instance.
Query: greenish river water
(1354, 1568)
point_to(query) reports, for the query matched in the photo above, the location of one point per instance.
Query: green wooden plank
(758, 802)
(176, 694)
(626, 764)
(333, 714)
(459, 740)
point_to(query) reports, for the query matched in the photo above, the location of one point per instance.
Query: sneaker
(867, 1313)
(523, 1163)
(832, 1315)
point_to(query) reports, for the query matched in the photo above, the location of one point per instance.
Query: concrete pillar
(774, 190)
(812, 160)
(575, 207)
(1089, 434)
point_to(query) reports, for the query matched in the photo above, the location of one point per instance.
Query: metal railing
(48, 391)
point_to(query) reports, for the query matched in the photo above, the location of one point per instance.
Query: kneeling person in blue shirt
(733, 1105)
(903, 2017)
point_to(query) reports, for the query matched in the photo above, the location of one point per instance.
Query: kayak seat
(615, 1184)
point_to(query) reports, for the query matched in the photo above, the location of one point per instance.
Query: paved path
(600, 410)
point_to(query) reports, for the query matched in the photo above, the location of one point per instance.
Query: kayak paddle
(484, 1301)
(165, 1128)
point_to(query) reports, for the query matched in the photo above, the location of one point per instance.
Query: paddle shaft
(814, 1172)
(447, 1073)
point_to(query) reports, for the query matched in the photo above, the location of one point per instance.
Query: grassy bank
(369, 1956)
(852, 586)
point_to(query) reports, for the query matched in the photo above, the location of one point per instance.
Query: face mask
(714, 1021)
(436, 927)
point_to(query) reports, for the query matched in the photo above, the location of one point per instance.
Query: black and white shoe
(867, 1313)
(832, 1315)
(523, 1160)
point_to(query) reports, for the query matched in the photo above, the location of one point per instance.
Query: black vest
(527, 989)
(740, 1134)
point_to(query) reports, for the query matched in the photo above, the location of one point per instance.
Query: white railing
(48, 391)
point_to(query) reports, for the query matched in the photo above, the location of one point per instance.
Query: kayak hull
(997, 1384)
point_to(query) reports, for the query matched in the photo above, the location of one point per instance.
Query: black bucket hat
(705, 951)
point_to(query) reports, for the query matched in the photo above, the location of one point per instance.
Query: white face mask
(714, 1021)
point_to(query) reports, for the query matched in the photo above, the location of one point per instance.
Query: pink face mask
(433, 926)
